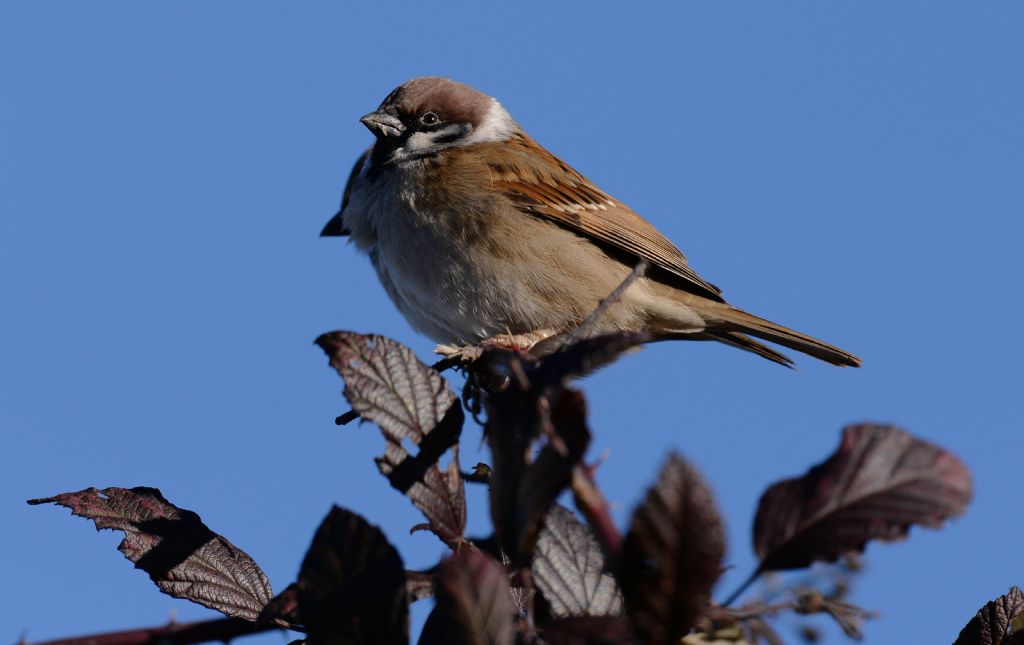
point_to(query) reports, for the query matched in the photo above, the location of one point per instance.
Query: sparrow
(477, 232)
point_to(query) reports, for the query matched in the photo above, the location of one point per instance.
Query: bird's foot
(517, 342)
(466, 354)
(459, 354)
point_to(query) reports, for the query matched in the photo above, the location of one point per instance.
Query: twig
(757, 609)
(445, 364)
(346, 418)
(222, 629)
(597, 511)
(481, 474)
(743, 587)
(848, 616)
(419, 584)
(602, 307)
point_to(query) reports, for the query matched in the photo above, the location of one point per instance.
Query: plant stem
(221, 629)
(743, 587)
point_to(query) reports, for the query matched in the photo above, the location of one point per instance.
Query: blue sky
(854, 170)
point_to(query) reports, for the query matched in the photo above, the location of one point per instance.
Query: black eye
(429, 118)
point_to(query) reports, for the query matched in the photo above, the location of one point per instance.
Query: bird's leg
(518, 342)
(465, 354)
(459, 354)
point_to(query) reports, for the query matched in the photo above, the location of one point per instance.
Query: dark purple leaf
(283, 609)
(992, 624)
(586, 356)
(589, 630)
(551, 472)
(879, 482)
(181, 555)
(386, 383)
(522, 489)
(513, 424)
(352, 585)
(440, 494)
(568, 569)
(672, 555)
(474, 603)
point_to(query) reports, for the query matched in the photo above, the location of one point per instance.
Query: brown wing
(542, 184)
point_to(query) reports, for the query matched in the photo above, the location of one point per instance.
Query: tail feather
(731, 338)
(727, 320)
(747, 343)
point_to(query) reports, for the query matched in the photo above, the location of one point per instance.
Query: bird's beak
(334, 228)
(383, 125)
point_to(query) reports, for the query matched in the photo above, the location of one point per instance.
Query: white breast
(423, 272)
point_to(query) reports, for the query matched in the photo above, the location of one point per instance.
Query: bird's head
(428, 114)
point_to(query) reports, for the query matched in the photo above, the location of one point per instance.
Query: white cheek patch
(498, 125)
(420, 144)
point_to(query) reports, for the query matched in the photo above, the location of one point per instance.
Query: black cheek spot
(451, 137)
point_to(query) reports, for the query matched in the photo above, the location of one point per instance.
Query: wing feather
(541, 184)
(336, 226)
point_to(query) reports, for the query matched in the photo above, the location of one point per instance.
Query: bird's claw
(466, 354)
(459, 354)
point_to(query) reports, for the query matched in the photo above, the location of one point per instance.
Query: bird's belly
(461, 282)
(450, 294)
